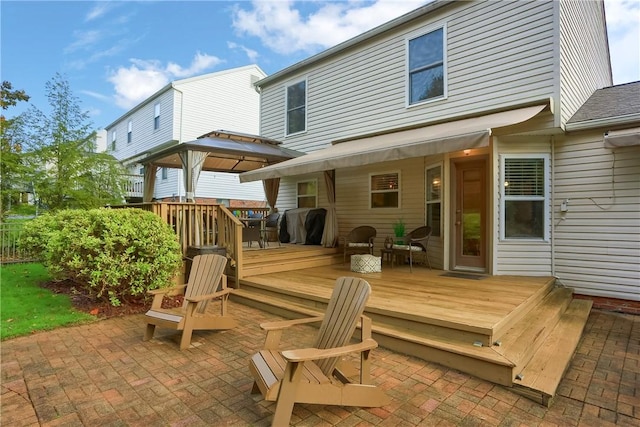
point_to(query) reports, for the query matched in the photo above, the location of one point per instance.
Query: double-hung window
(426, 67)
(434, 199)
(296, 107)
(525, 200)
(384, 190)
(129, 132)
(307, 194)
(156, 117)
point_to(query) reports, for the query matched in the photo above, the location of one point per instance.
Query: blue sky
(115, 54)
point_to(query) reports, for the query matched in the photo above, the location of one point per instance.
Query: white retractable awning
(621, 138)
(435, 139)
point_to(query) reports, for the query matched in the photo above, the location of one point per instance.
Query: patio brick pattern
(104, 374)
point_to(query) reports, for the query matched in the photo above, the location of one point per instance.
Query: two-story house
(180, 112)
(458, 115)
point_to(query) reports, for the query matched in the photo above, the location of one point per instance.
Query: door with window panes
(469, 203)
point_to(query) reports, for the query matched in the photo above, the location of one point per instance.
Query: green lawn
(25, 307)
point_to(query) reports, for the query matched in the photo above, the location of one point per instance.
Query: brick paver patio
(103, 374)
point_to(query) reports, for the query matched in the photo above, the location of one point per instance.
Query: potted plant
(399, 230)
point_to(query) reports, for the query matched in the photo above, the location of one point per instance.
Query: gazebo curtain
(150, 171)
(271, 188)
(192, 166)
(330, 233)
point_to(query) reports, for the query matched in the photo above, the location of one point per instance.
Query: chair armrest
(284, 324)
(172, 291)
(304, 354)
(218, 294)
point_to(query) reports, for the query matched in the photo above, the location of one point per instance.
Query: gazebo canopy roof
(228, 152)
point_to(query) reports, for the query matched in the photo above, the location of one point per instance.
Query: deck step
(542, 375)
(274, 261)
(521, 341)
(483, 361)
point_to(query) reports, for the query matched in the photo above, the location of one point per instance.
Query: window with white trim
(426, 66)
(129, 132)
(434, 199)
(384, 190)
(524, 205)
(307, 194)
(156, 116)
(165, 173)
(113, 141)
(296, 107)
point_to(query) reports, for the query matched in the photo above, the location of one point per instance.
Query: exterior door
(470, 214)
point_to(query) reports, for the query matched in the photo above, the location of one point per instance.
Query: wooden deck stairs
(528, 351)
(272, 261)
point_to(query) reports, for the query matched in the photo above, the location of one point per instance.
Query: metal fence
(9, 250)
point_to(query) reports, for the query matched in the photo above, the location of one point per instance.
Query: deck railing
(201, 225)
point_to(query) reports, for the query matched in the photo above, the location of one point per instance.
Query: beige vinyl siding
(597, 244)
(144, 137)
(224, 100)
(519, 257)
(584, 54)
(498, 54)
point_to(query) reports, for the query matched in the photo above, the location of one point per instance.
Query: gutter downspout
(553, 206)
(180, 177)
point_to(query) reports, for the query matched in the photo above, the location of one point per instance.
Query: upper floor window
(426, 67)
(307, 194)
(297, 107)
(156, 117)
(525, 199)
(113, 141)
(385, 190)
(434, 199)
(165, 173)
(129, 131)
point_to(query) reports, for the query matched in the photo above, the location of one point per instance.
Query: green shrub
(108, 253)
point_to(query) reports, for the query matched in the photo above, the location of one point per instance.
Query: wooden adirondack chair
(318, 375)
(207, 282)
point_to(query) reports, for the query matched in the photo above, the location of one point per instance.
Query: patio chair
(359, 241)
(415, 246)
(271, 231)
(318, 374)
(207, 282)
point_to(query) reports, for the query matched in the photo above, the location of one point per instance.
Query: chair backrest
(362, 234)
(204, 277)
(272, 220)
(345, 308)
(419, 237)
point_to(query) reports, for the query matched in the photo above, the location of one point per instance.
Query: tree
(10, 149)
(63, 164)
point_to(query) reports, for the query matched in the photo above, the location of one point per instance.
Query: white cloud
(98, 10)
(281, 26)
(142, 78)
(251, 54)
(623, 26)
(83, 40)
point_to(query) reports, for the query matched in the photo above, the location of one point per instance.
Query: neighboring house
(466, 116)
(180, 112)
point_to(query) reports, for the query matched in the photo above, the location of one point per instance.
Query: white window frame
(129, 132)
(156, 116)
(164, 173)
(408, 71)
(439, 231)
(113, 140)
(286, 106)
(315, 196)
(396, 190)
(545, 198)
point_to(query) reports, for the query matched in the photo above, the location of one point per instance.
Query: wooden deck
(493, 327)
